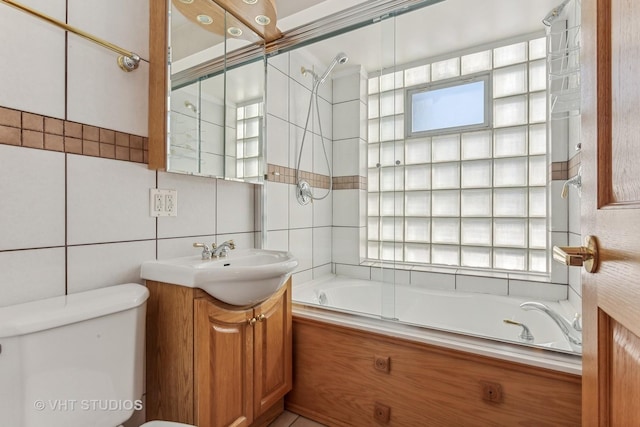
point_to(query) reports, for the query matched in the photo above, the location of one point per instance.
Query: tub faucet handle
(526, 334)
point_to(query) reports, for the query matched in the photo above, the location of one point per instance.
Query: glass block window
(472, 198)
(248, 135)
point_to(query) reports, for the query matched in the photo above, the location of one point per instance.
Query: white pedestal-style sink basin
(244, 277)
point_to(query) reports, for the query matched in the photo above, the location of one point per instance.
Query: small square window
(449, 107)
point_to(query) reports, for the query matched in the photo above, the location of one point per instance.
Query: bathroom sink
(244, 277)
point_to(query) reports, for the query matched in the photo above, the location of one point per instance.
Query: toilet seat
(165, 424)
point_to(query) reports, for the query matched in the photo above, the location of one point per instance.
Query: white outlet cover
(163, 202)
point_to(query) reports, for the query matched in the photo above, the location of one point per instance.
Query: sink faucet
(223, 250)
(568, 330)
(206, 252)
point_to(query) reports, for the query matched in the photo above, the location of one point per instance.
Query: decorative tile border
(562, 171)
(354, 182)
(25, 129)
(287, 175)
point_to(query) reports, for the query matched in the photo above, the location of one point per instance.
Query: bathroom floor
(289, 419)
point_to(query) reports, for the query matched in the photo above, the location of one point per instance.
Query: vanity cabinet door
(272, 350)
(223, 365)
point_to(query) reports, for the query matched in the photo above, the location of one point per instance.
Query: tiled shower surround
(305, 229)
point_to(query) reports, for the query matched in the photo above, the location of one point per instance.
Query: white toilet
(74, 361)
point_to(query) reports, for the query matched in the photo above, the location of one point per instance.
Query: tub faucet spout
(571, 334)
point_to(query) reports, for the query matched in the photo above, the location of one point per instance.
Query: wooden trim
(425, 384)
(169, 342)
(604, 104)
(158, 83)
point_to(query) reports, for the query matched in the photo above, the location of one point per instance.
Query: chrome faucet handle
(526, 334)
(231, 244)
(206, 252)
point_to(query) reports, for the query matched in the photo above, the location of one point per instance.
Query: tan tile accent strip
(354, 182)
(574, 164)
(47, 133)
(562, 171)
(559, 171)
(287, 175)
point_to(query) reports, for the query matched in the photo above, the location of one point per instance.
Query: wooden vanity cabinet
(235, 370)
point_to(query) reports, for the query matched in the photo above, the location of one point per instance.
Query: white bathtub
(470, 314)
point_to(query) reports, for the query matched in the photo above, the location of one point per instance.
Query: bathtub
(464, 321)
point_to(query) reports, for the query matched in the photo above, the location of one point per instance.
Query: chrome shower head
(340, 58)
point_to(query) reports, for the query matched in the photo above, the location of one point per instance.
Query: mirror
(215, 92)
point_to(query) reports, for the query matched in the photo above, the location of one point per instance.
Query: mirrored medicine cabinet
(207, 91)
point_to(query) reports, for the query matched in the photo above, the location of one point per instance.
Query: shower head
(554, 13)
(340, 58)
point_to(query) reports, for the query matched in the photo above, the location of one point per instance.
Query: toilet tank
(75, 360)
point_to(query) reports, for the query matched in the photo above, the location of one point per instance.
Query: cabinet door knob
(252, 321)
(261, 318)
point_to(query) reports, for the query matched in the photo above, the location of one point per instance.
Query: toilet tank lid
(53, 312)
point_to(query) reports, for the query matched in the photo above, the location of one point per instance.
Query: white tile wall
(241, 240)
(31, 275)
(574, 210)
(559, 207)
(537, 290)
(575, 278)
(299, 104)
(277, 93)
(123, 96)
(326, 119)
(322, 209)
(346, 208)
(390, 275)
(484, 285)
(321, 271)
(346, 157)
(321, 246)
(346, 84)
(196, 206)
(278, 205)
(108, 200)
(109, 21)
(182, 246)
(278, 135)
(301, 245)
(301, 277)
(300, 216)
(295, 144)
(235, 207)
(346, 120)
(319, 160)
(298, 59)
(281, 62)
(346, 245)
(559, 272)
(97, 266)
(32, 213)
(354, 271)
(278, 240)
(34, 78)
(435, 281)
